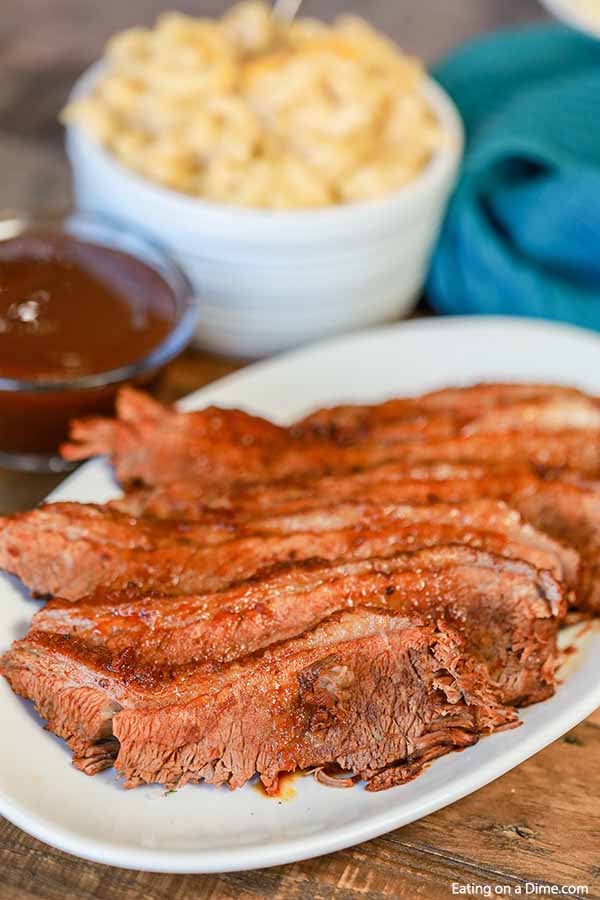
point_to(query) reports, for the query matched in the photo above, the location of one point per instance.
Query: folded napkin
(522, 233)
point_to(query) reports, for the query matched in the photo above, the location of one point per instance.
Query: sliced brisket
(193, 499)
(349, 591)
(388, 423)
(565, 508)
(464, 403)
(147, 437)
(508, 611)
(371, 691)
(73, 550)
(367, 691)
(153, 444)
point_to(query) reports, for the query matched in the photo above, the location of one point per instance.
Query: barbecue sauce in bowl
(77, 320)
(70, 309)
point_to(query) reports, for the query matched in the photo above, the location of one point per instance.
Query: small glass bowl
(35, 414)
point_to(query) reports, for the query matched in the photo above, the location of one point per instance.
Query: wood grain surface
(539, 824)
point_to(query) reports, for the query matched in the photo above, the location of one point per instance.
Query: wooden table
(537, 824)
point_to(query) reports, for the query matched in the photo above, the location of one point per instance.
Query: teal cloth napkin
(522, 232)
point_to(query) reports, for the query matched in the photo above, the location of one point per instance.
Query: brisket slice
(74, 550)
(146, 435)
(371, 691)
(367, 691)
(508, 611)
(152, 444)
(478, 398)
(563, 508)
(77, 689)
(576, 449)
(77, 705)
(346, 425)
(195, 500)
(463, 402)
(570, 512)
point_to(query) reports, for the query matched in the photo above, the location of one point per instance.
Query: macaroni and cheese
(250, 111)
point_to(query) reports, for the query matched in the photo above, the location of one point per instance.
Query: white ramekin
(268, 280)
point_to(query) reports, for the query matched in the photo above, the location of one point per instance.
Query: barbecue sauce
(285, 787)
(70, 309)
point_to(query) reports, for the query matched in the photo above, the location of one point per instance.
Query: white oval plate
(204, 829)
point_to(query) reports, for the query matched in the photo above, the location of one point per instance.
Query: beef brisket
(352, 590)
(565, 508)
(570, 512)
(508, 611)
(193, 499)
(464, 403)
(153, 444)
(74, 549)
(370, 691)
(217, 441)
(388, 423)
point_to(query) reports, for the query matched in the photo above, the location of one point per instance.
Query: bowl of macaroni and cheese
(298, 172)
